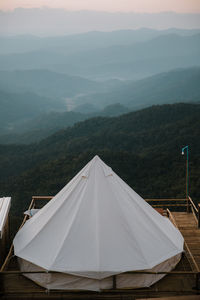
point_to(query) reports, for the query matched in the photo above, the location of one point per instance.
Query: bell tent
(94, 228)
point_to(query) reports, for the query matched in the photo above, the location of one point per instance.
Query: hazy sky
(148, 6)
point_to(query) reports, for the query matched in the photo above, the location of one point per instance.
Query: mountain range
(27, 117)
(45, 21)
(18, 107)
(47, 83)
(180, 85)
(135, 60)
(42, 126)
(70, 44)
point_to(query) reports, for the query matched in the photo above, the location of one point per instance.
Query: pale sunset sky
(141, 6)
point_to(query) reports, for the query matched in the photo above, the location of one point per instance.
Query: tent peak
(96, 157)
(97, 162)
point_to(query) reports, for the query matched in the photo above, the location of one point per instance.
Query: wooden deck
(184, 280)
(187, 225)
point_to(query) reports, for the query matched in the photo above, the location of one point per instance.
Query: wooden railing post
(114, 282)
(198, 281)
(1, 284)
(198, 215)
(188, 205)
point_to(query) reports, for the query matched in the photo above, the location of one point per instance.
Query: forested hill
(143, 147)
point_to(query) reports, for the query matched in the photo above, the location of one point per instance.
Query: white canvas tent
(5, 203)
(96, 227)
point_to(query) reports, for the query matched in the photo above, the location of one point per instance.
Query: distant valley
(27, 117)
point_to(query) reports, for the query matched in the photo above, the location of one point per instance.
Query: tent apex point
(96, 157)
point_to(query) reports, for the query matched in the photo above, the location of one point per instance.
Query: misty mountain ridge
(26, 131)
(137, 61)
(180, 85)
(116, 67)
(16, 107)
(20, 113)
(70, 44)
(61, 22)
(48, 83)
(132, 61)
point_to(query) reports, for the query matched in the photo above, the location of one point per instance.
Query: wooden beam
(194, 206)
(198, 215)
(129, 272)
(149, 200)
(194, 214)
(168, 205)
(42, 197)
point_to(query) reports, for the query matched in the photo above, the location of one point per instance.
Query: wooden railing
(173, 203)
(114, 277)
(195, 210)
(40, 201)
(186, 204)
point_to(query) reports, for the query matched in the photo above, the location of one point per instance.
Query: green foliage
(144, 148)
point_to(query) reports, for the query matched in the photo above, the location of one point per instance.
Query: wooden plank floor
(187, 225)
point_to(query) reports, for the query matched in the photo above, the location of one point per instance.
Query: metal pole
(187, 184)
(187, 175)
